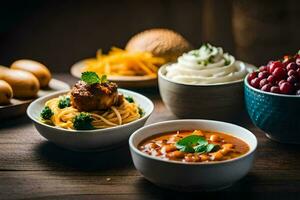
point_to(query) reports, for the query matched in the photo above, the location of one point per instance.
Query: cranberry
(263, 82)
(279, 73)
(291, 65)
(271, 79)
(275, 89)
(263, 74)
(275, 65)
(255, 82)
(252, 76)
(292, 72)
(263, 68)
(286, 88)
(266, 87)
(298, 92)
(291, 79)
(280, 82)
(298, 61)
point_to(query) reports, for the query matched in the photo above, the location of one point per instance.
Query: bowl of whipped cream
(204, 83)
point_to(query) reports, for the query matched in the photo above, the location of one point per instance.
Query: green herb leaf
(129, 99)
(187, 144)
(209, 147)
(200, 148)
(190, 140)
(90, 77)
(211, 59)
(64, 102)
(299, 52)
(227, 62)
(197, 144)
(46, 113)
(83, 121)
(103, 79)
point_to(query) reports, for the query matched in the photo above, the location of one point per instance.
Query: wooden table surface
(33, 168)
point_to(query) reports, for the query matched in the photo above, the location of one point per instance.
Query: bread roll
(160, 42)
(6, 93)
(23, 84)
(37, 69)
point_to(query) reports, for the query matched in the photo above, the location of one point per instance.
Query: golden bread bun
(23, 84)
(37, 69)
(6, 92)
(160, 42)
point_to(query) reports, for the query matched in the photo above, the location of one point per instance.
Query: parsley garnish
(92, 78)
(227, 62)
(195, 144)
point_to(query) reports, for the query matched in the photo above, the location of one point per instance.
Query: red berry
(275, 89)
(263, 68)
(252, 76)
(266, 87)
(298, 61)
(291, 65)
(255, 82)
(263, 74)
(292, 72)
(275, 65)
(263, 82)
(280, 82)
(271, 79)
(291, 79)
(286, 88)
(279, 73)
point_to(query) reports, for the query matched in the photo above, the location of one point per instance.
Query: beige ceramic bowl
(192, 176)
(223, 101)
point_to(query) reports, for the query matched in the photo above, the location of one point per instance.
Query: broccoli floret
(83, 121)
(129, 99)
(46, 113)
(141, 112)
(64, 102)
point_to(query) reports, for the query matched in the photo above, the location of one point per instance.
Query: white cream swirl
(207, 65)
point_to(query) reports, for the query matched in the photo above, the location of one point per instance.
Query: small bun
(6, 92)
(39, 70)
(160, 42)
(24, 84)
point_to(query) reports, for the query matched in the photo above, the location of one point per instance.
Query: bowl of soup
(193, 155)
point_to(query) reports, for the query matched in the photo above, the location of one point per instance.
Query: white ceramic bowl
(89, 140)
(192, 176)
(220, 101)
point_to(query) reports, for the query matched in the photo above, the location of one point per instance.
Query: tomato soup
(194, 146)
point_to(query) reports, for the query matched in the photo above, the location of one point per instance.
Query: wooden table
(33, 168)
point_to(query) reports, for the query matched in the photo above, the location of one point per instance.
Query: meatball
(98, 96)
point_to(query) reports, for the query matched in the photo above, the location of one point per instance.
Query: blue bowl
(277, 115)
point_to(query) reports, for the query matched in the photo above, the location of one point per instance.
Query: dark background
(59, 33)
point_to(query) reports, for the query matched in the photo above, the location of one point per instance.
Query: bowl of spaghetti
(94, 115)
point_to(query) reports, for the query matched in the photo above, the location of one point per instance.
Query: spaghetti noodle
(114, 116)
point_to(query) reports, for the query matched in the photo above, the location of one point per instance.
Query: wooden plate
(122, 81)
(18, 107)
